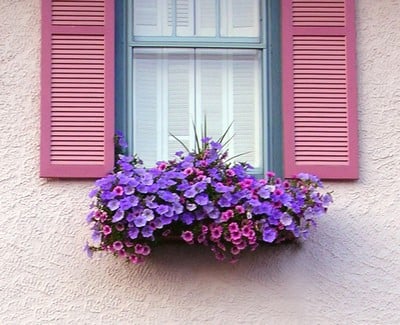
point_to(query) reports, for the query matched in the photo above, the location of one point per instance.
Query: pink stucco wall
(348, 273)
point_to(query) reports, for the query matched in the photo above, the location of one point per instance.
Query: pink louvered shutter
(77, 108)
(319, 93)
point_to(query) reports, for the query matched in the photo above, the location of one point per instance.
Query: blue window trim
(271, 111)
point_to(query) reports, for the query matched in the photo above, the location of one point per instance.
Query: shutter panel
(77, 108)
(319, 88)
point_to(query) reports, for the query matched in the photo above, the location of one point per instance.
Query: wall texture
(348, 273)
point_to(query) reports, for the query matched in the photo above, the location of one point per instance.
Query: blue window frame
(267, 44)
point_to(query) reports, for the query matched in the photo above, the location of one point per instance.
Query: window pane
(190, 18)
(195, 18)
(228, 90)
(240, 18)
(173, 87)
(152, 17)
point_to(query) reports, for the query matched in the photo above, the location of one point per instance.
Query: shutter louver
(319, 88)
(77, 88)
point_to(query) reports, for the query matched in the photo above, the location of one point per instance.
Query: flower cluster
(200, 198)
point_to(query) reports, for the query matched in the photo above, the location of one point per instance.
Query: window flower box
(199, 198)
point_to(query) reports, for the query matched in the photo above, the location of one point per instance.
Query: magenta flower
(118, 190)
(139, 249)
(146, 250)
(187, 236)
(118, 245)
(233, 227)
(216, 232)
(106, 230)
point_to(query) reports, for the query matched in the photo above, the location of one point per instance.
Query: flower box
(199, 198)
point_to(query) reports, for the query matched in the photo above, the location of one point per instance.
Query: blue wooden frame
(269, 43)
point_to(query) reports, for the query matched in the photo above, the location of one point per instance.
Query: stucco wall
(348, 273)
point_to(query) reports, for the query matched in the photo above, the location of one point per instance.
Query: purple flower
(191, 206)
(201, 199)
(178, 208)
(133, 233)
(214, 214)
(125, 203)
(88, 250)
(286, 219)
(118, 216)
(96, 237)
(265, 192)
(190, 193)
(269, 235)
(147, 231)
(113, 205)
(168, 196)
(187, 218)
(162, 209)
(140, 221)
(221, 188)
(148, 214)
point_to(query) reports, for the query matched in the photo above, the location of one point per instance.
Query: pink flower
(201, 238)
(139, 249)
(246, 183)
(242, 245)
(162, 166)
(246, 231)
(236, 235)
(270, 174)
(227, 215)
(216, 232)
(233, 227)
(188, 171)
(235, 250)
(135, 259)
(187, 236)
(118, 190)
(219, 256)
(122, 253)
(240, 209)
(204, 229)
(230, 173)
(146, 250)
(107, 230)
(118, 245)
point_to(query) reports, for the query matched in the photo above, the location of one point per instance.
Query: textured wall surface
(348, 273)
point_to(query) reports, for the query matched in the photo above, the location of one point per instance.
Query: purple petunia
(269, 235)
(140, 221)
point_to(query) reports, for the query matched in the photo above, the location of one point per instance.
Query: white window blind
(174, 87)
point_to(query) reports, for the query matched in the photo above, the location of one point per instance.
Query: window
(186, 61)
